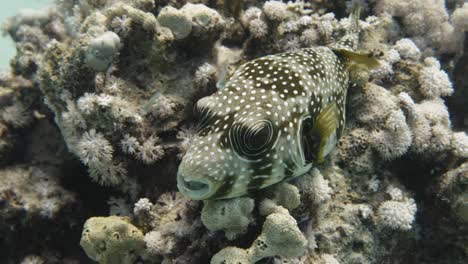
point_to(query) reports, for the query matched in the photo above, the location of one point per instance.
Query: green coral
(112, 240)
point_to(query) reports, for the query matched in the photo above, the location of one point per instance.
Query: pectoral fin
(326, 125)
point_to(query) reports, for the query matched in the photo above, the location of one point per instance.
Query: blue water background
(9, 8)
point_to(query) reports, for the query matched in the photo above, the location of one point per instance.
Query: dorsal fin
(350, 40)
(352, 58)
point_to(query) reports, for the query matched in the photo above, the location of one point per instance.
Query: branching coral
(121, 79)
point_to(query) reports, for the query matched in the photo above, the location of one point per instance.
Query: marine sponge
(285, 194)
(232, 216)
(280, 236)
(232, 255)
(112, 240)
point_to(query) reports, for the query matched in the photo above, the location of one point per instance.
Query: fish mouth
(196, 189)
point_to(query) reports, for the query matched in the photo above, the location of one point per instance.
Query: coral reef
(96, 113)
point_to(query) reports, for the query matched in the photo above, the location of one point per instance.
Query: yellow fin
(325, 125)
(357, 58)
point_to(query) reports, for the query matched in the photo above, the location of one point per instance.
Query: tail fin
(346, 47)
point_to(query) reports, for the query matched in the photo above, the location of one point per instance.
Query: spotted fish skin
(262, 127)
(277, 92)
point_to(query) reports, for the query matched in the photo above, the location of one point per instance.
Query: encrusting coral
(96, 114)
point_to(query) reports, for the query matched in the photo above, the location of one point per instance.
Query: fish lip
(181, 185)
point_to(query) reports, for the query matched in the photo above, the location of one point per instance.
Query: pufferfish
(276, 117)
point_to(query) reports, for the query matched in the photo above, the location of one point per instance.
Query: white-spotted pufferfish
(276, 117)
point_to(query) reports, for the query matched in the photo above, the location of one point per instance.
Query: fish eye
(252, 140)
